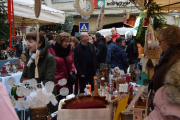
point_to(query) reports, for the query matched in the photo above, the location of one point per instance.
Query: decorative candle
(103, 92)
(128, 77)
(87, 91)
(102, 82)
(96, 85)
(4, 68)
(89, 87)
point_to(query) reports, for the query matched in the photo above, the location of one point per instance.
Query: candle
(89, 87)
(4, 68)
(102, 82)
(128, 77)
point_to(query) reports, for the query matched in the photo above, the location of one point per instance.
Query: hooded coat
(119, 58)
(114, 37)
(167, 98)
(46, 66)
(132, 51)
(46, 69)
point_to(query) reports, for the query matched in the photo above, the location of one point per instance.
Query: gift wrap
(84, 114)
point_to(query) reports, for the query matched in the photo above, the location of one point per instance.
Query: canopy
(24, 13)
(120, 31)
(165, 4)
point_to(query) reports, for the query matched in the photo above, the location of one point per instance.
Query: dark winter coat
(46, 66)
(101, 51)
(110, 44)
(61, 70)
(119, 58)
(80, 59)
(46, 69)
(132, 51)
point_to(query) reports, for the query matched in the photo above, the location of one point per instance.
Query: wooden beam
(171, 4)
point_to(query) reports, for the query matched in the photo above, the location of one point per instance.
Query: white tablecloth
(17, 77)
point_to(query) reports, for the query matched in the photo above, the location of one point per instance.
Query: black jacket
(132, 51)
(101, 51)
(80, 59)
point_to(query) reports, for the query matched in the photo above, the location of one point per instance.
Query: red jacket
(114, 37)
(61, 71)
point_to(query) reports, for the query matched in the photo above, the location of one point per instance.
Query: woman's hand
(71, 72)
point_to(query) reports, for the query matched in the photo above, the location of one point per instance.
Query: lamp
(146, 22)
(131, 21)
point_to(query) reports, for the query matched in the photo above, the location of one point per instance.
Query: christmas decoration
(101, 19)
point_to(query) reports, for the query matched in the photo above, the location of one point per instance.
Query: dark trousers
(88, 79)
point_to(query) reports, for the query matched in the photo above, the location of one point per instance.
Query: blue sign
(83, 27)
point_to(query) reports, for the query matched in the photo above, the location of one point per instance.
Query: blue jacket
(111, 44)
(119, 58)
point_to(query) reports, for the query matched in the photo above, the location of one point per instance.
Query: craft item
(142, 79)
(15, 64)
(89, 87)
(99, 92)
(87, 91)
(149, 69)
(107, 90)
(62, 82)
(111, 89)
(123, 88)
(134, 74)
(14, 69)
(95, 85)
(4, 68)
(102, 83)
(135, 98)
(105, 84)
(11, 81)
(85, 101)
(126, 115)
(116, 72)
(101, 19)
(80, 11)
(23, 58)
(128, 77)
(38, 113)
(103, 92)
(135, 91)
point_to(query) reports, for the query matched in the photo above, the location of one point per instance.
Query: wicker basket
(38, 113)
(126, 115)
(152, 54)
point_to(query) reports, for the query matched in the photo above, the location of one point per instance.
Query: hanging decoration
(101, 19)
(85, 10)
(37, 10)
(131, 20)
(80, 11)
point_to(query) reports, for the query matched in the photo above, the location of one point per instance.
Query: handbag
(71, 77)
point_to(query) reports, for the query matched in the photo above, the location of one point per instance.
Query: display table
(2, 62)
(17, 77)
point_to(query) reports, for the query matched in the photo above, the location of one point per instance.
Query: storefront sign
(118, 4)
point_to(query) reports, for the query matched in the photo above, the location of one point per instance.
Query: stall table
(17, 77)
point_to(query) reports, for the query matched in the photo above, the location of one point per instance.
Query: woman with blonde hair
(63, 53)
(166, 79)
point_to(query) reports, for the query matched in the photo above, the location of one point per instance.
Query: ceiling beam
(171, 4)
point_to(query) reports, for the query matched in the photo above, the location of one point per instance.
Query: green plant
(4, 29)
(67, 26)
(154, 11)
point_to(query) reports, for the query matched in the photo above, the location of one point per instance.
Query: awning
(120, 31)
(24, 13)
(165, 4)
